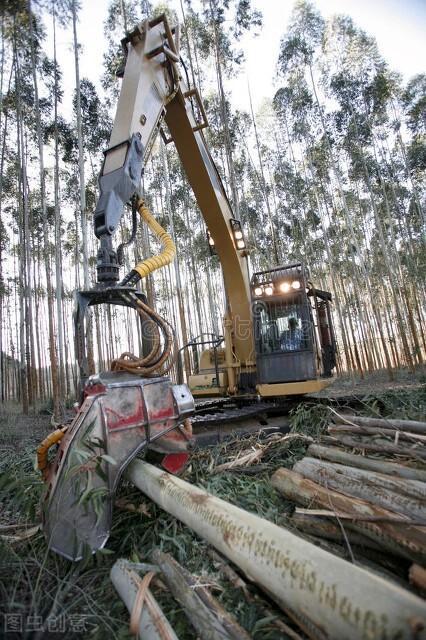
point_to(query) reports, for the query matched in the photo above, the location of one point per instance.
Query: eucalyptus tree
(218, 27)
(361, 83)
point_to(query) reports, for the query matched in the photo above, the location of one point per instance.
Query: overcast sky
(398, 25)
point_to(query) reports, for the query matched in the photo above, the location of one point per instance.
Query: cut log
(401, 496)
(417, 576)
(405, 425)
(326, 513)
(153, 624)
(325, 595)
(237, 582)
(361, 462)
(323, 528)
(377, 431)
(207, 616)
(408, 542)
(382, 564)
(382, 447)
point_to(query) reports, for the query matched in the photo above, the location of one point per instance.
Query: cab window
(282, 328)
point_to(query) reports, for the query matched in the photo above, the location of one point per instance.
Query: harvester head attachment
(121, 414)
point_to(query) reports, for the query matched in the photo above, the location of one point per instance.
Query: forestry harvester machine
(278, 337)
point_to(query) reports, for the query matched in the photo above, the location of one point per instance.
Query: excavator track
(230, 413)
(216, 419)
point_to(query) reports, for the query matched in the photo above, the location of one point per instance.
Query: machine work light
(296, 284)
(258, 291)
(285, 287)
(237, 233)
(269, 290)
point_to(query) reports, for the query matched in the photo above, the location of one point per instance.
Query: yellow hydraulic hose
(43, 449)
(161, 357)
(169, 250)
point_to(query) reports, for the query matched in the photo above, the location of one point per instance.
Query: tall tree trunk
(82, 189)
(58, 234)
(57, 413)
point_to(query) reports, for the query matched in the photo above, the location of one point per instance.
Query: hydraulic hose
(43, 449)
(147, 266)
(161, 357)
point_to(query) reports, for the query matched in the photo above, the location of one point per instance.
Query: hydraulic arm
(152, 90)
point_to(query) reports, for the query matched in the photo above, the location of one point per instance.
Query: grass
(34, 582)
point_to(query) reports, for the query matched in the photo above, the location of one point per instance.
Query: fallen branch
(323, 528)
(206, 615)
(377, 431)
(243, 460)
(237, 582)
(23, 535)
(326, 513)
(152, 624)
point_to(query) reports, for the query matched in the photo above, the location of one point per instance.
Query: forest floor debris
(36, 584)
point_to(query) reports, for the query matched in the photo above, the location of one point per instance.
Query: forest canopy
(330, 172)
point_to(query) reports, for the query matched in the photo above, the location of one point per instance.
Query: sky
(398, 25)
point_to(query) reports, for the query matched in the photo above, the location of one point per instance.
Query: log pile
(361, 493)
(323, 595)
(356, 567)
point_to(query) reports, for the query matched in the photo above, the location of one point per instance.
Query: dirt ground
(374, 383)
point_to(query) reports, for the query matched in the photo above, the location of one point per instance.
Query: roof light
(269, 290)
(238, 235)
(296, 284)
(241, 244)
(258, 291)
(285, 287)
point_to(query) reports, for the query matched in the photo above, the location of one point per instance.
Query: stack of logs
(364, 486)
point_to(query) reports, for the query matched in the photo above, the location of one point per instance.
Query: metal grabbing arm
(150, 79)
(153, 89)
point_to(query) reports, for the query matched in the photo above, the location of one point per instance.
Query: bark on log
(324, 528)
(417, 576)
(377, 431)
(405, 425)
(329, 597)
(206, 615)
(237, 582)
(382, 564)
(153, 624)
(361, 462)
(409, 541)
(401, 496)
(379, 447)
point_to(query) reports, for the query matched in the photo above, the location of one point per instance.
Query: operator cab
(293, 329)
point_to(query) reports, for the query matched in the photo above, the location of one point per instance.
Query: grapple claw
(120, 415)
